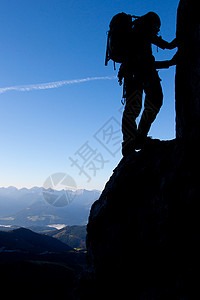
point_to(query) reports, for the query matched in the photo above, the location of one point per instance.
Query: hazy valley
(38, 207)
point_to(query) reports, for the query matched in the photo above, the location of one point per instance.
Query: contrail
(51, 85)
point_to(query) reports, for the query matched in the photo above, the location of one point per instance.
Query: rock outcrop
(144, 231)
(188, 71)
(143, 235)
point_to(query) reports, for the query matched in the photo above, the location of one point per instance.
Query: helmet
(153, 18)
(150, 22)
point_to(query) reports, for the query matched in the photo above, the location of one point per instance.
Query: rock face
(188, 71)
(144, 231)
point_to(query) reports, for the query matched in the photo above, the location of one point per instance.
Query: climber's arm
(173, 44)
(158, 41)
(162, 64)
(166, 63)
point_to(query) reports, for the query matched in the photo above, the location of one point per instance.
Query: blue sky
(60, 129)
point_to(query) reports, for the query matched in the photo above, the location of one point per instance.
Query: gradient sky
(70, 126)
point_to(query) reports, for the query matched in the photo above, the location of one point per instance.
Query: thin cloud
(51, 85)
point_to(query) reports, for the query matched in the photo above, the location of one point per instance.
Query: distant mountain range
(38, 207)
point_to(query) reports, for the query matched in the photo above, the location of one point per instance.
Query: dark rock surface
(188, 71)
(143, 232)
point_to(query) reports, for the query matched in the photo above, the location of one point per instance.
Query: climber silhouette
(139, 71)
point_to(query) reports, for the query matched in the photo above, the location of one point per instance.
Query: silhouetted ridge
(25, 240)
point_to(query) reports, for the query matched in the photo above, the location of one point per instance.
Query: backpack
(118, 37)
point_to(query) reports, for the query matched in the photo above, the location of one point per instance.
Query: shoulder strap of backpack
(107, 58)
